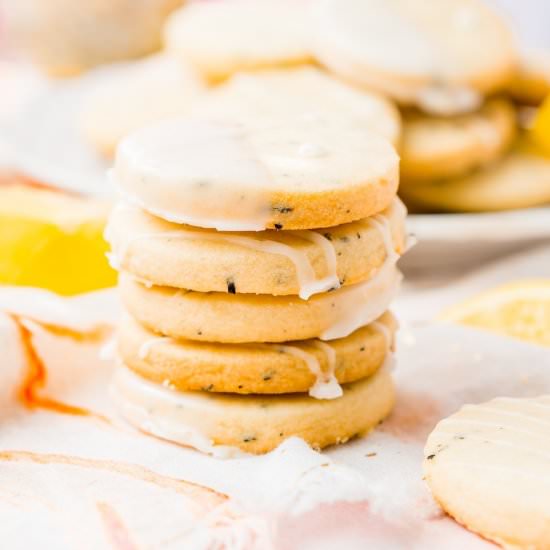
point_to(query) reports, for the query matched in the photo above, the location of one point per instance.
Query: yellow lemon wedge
(540, 128)
(520, 309)
(52, 239)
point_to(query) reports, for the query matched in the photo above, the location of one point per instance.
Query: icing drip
(361, 304)
(326, 386)
(307, 281)
(164, 412)
(146, 347)
(383, 225)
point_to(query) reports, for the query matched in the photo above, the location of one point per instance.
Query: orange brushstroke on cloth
(198, 493)
(116, 530)
(35, 379)
(19, 178)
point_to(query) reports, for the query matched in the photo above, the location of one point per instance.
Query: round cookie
(255, 368)
(312, 171)
(271, 262)
(236, 318)
(531, 83)
(488, 467)
(220, 38)
(128, 96)
(223, 423)
(253, 98)
(437, 148)
(64, 37)
(520, 180)
(441, 56)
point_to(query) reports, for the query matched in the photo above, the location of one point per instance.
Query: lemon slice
(52, 239)
(520, 309)
(540, 128)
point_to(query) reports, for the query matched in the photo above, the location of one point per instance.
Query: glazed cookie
(302, 366)
(441, 56)
(437, 148)
(128, 96)
(224, 423)
(64, 37)
(236, 318)
(220, 38)
(313, 171)
(488, 467)
(253, 98)
(269, 262)
(520, 180)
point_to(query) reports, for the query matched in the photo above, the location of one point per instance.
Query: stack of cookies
(257, 264)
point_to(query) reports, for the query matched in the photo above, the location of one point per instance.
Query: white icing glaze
(385, 331)
(363, 303)
(383, 225)
(309, 284)
(164, 412)
(448, 100)
(194, 161)
(326, 386)
(228, 176)
(146, 347)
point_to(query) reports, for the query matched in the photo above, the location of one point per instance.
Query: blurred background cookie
(221, 38)
(65, 37)
(520, 180)
(442, 57)
(274, 94)
(435, 148)
(129, 95)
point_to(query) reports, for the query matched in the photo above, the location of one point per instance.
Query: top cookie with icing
(441, 56)
(220, 38)
(311, 172)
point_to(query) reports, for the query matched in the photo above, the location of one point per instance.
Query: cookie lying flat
(253, 98)
(441, 56)
(488, 466)
(254, 424)
(438, 148)
(310, 172)
(220, 38)
(300, 366)
(236, 318)
(271, 262)
(128, 96)
(520, 180)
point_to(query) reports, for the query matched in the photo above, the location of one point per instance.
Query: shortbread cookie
(313, 171)
(269, 262)
(531, 83)
(488, 466)
(437, 148)
(128, 96)
(301, 366)
(254, 424)
(520, 180)
(441, 56)
(235, 318)
(254, 98)
(220, 38)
